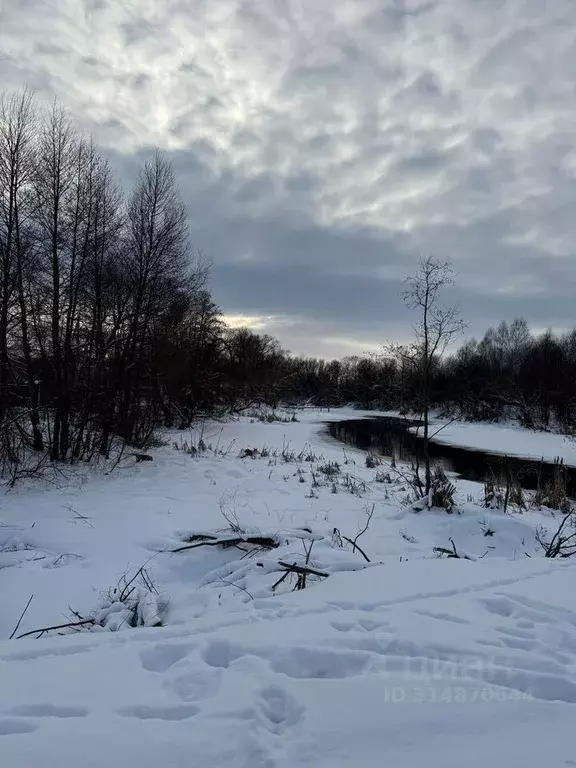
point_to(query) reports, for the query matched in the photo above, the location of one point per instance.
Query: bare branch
(16, 628)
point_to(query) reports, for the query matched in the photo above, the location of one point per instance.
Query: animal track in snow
(362, 625)
(9, 726)
(162, 656)
(538, 685)
(49, 710)
(369, 625)
(528, 612)
(221, 653)
(443, 617)
(195, 684)
(308, 663)
(277, 710)
(343, 626)
(70, 650)
(515, 632)
(172, 713)
(499, 606)
(518, 644)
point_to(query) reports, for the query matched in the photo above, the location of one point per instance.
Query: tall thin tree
(435, 328)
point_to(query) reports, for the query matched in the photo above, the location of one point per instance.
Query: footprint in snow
(162, 656)
(362, 625)
(49, 710)
(277, 710)
(10, 726)
(32, 655)
(19, 724)
(195, 684)
(171, 713)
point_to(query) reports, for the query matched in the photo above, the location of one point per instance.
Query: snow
(404, 660)
(507, 440)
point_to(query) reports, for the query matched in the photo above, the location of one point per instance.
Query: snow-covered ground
(506, 439)
(404, 660)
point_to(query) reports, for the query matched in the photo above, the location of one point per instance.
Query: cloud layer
(322, 146)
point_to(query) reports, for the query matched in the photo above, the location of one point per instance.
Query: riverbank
(506, 440)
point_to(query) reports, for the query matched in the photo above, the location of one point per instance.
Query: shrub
(442, 491)
(373, 460)
(563, 542)
(330, 469)
(554, 493)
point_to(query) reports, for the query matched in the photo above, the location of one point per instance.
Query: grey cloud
(322, 146)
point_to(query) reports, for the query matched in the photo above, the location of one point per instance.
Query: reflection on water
(389, 436)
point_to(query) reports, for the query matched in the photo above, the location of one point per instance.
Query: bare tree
(434, 330)
(18, 129)
(55, 180)
(106, 325)
(156, 271)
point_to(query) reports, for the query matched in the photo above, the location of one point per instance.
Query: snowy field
(408, 659)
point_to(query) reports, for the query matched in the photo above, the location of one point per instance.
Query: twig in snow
(65, 554)
(301, 569)
(16, 628)
(561, 544)
(235, 584)
(79, 517)
(440, 429)
(228, 512)
(43, 630)
(354, 542)
(356, 546)
(284, 577)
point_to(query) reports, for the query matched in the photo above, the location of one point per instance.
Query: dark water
(389, 436)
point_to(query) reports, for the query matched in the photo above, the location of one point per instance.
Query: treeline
(91, 284)
(107, 327)
(509, 373)
(512, 373)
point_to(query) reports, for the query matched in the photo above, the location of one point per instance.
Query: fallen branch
(201, 537)
(303, 569)
(43, 630)
(262, 541)
(452, 553)
(283, 578)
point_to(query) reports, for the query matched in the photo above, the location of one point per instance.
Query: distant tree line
(509, 373)
(512, 373)
(108, 328)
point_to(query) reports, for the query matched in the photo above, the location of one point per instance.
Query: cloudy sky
(323, 145)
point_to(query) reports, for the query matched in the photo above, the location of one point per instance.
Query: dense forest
(108, 328)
